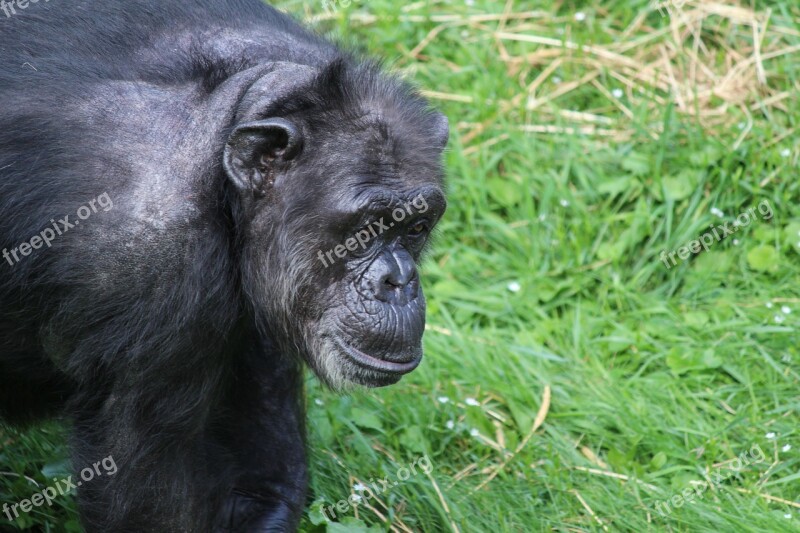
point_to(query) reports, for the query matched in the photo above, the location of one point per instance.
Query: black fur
(170, 329)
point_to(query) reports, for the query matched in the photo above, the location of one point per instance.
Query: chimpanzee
(196, 197)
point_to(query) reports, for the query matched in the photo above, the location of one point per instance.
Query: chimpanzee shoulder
(146, 38)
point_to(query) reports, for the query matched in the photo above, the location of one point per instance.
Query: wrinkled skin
(238, 150)
(359, 318)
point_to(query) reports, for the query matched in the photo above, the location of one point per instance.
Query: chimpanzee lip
(380, 365)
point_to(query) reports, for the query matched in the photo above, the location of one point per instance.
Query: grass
(572, 381)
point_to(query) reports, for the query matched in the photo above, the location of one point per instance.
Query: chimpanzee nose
(396, 277)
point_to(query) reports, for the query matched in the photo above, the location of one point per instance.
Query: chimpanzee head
(338, 183)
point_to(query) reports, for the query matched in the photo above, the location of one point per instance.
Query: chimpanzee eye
(418, 229)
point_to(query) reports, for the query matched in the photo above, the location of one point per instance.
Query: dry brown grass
(710, 60)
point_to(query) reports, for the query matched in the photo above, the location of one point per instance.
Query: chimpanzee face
(374, 316)
(337, 206)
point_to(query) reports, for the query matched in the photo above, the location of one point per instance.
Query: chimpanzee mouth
(379, 365)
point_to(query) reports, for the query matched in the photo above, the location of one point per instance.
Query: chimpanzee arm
(166, 469)
(236, 464)
(263, 429)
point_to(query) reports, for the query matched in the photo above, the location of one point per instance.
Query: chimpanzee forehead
(344, 212)
(377, 200)
(387, 197)
(370, 162)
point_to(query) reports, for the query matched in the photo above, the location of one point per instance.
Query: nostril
(393, 281)
(392, 289)
(394, 276)
(398, 279)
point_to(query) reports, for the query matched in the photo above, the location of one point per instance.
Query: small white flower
(617, 93)
(787, 515)
(717, 212)
(514, 286)
(770, 435)
(736, 242)
(469, 2)
(443, 399)
(769, 305)
(786, 358)
(359, 487)
(580, 16)
(786, 152)
(356, 497)
(474, 432)
(786, 447)
(741, 125)
(563, 202)
(542, 217)
(472, 401)
(786, 309)
(450, 424)
(556, 80)
(779, 319)
(319, 402)
(464, 34)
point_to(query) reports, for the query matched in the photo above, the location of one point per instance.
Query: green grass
(658, 377)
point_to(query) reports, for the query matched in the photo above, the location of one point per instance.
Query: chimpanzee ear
(254, 149)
